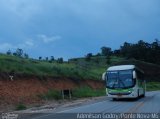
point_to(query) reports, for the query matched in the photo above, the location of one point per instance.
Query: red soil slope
(25, 90)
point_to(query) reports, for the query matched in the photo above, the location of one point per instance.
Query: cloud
(47, 39)
(21, 8)
(5, 46)
(27, 44)
(8, 46)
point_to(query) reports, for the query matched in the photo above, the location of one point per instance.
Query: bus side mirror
(134, 74)
(104, 76)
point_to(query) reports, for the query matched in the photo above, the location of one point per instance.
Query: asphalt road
(149, 104)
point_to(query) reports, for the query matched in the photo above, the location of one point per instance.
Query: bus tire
(138, 94)
(114, 99)
(144, 93)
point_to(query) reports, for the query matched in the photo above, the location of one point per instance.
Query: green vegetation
(21, 107)
(80, 92)
(80, 69)
(152, 86)
(88, 67)
(88, 92)
(50, 95)
(77, 68)
(143, 51)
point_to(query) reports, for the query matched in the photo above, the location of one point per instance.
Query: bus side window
(140, 75)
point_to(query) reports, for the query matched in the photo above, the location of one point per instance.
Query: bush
(152, 86)
(88, 92)
(51, 94)
(21, 107)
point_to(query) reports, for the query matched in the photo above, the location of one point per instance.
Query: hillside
(35, 81)
(81, 69)
(77, 68)
(152, 71)
(10, 65)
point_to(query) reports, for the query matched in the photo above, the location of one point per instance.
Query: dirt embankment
(24, 89)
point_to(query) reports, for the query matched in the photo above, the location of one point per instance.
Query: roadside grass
(88, 92)
(80, 92)
(50, 95)
(21, 107)
(153, 86)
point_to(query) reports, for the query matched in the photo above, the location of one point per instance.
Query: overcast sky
(73, 28)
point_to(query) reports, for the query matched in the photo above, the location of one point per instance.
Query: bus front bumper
(123, 95)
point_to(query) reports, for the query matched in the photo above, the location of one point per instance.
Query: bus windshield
(120, 79)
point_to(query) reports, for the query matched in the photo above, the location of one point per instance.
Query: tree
(15, 54)
(158, 42)
(60, 60)
(142, 51)
(125, 50)
(46, 58)
(52, 58)
(40, 58)
(98, 54)
(9, 52)
(19, 52)
(26, 55)
(116, 52)
(105, 51)
(88, 57)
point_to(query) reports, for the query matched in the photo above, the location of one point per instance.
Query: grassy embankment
(80, 69)
(81, 92)
(153, 86)
(76, 68)
(88, 92)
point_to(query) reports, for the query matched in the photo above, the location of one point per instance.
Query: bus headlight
(130, 91)
(109, 91)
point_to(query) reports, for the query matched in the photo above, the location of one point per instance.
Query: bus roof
(121, 67)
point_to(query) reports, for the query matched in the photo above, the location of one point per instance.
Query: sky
(73, 28)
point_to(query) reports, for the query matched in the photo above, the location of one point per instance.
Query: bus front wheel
(137, 94)
(144, 93)
(114, 99)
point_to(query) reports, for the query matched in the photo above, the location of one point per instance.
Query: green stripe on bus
(120, 90)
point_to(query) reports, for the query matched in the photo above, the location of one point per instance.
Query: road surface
(149, 104)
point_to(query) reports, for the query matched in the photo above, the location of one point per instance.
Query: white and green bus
(124, 81)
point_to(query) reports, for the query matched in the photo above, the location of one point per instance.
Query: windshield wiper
(122, 83)
(113, 86)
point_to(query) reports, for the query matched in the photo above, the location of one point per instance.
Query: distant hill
(152, 71)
